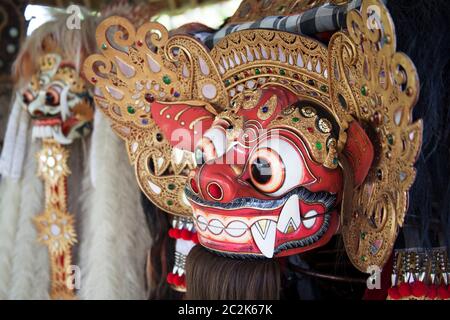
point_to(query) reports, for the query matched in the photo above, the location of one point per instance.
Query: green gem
(227, 82)
(131, 110)
(104, 46)
(166, 79)
(363, 258)
(257, 71)
(364, 90)
(295, 119)
(318, 145)
(171, 186)
(363, 235)
(169, 202)
(335, 161)
(282, 72)
(390, 139)
(323, 88)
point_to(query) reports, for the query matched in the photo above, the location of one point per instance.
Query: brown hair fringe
(213, 277)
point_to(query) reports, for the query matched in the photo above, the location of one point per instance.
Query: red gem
(269, 70)
(310, 130)
(171, 90)
(194, 186)
(139, 43)
(149, 98)
(215, 191)
(93, 79)
(245, 74)
(296, 76)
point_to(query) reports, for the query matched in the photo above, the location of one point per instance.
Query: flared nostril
(193, 185)
(214, 191)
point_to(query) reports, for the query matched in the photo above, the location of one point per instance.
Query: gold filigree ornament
(56, 226)
(137, 67)
(358, 76)
(379, 87)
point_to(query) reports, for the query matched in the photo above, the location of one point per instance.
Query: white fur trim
(30, 268)
(115, 237)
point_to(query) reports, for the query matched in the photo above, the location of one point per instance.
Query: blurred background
(18, 18)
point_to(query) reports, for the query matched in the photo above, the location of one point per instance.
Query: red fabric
(419, 289)
(432, 292)
(443, 292)
(186, 235)
(404, 289)
(393, 293)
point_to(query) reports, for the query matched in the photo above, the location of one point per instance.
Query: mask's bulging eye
(276, 166)
(267, 170)
(52, 96)
(27, 97)
(212, 146)
(205, 151)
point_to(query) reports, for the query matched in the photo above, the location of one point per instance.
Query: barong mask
(271, 141)
(58, 101)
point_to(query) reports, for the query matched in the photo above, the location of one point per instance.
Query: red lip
(47, 121)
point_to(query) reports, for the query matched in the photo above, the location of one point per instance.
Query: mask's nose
(221, 183)
(214, 182)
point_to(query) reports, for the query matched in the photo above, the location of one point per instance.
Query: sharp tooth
(308, 223)
(34, 133)
(290, 215)
(264, 233)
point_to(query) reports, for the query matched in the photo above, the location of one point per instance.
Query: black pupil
(50, 99)
(199, 156)
(25, 98)
(261, 170)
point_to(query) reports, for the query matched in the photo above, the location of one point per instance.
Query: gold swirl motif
(378, 86)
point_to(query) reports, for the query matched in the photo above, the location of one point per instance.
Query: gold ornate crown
(358, 76)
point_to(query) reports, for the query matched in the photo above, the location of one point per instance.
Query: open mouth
(50, 128)
(298, 219)
(47, 121)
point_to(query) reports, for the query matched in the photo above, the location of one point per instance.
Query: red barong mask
(271, 142)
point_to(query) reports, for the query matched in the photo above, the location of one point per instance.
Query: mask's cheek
(78, 124)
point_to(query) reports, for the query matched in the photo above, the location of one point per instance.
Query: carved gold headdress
(358, 76)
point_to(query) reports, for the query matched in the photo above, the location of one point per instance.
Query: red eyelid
(221, 123)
